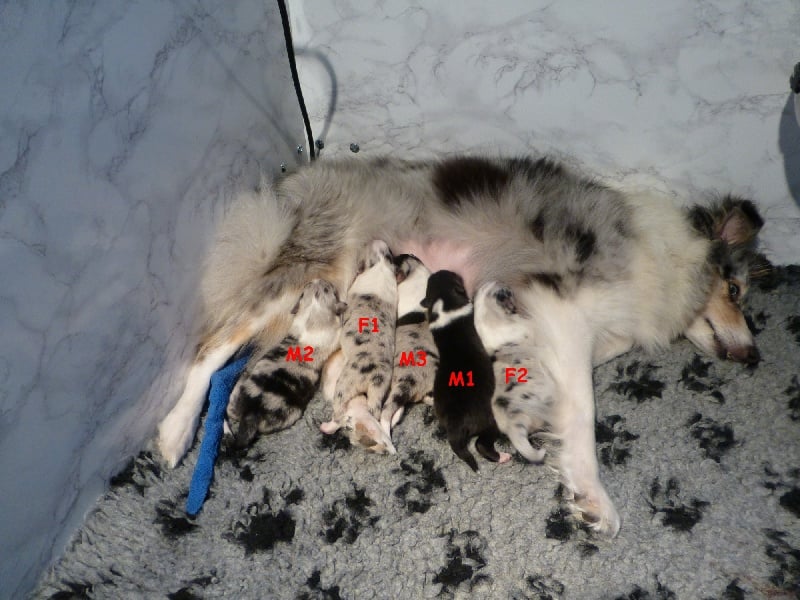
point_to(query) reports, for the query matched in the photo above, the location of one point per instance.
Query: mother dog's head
(721, 328)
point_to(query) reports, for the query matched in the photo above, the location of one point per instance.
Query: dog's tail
(238, 273)
(518, 436)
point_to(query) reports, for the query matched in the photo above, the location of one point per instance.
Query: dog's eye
(733, 291)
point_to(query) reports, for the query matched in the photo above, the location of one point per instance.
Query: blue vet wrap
(222, 383)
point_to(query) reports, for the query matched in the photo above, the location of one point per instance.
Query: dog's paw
(504, 457)
(596, 510)
(175, 435)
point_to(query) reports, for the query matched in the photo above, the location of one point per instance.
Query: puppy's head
(318, 305)
(376, 252)
(405, 265)
(499, 319)
(732, 225)
(445, 293)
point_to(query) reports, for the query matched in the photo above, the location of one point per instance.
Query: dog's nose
(748, 355)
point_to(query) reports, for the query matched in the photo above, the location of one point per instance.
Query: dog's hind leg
(176, 432)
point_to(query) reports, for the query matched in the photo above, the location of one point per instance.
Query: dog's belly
(438, 255)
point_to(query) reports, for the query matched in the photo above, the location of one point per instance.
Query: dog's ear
(739, 222)
(426, 302)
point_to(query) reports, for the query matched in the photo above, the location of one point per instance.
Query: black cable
(287, 35)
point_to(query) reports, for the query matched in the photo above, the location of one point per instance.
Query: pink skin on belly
(440, 255)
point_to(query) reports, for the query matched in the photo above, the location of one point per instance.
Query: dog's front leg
(573, 422)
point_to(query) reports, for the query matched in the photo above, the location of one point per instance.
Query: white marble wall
(124, 128)
(684, 95)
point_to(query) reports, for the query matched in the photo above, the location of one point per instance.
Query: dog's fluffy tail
(244, 250)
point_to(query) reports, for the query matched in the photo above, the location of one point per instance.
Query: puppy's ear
(426, 302)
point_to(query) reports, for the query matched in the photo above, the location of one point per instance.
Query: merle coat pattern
(367, 355)
(413, 382)
(273, 391)
(524, 390)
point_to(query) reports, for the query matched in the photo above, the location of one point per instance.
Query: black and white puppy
(415, 353)
(275, 389)
(464, 382)
(524, 390)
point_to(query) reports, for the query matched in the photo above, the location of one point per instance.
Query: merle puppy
(464, 382)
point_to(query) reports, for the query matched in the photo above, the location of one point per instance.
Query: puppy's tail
(518, 436)
(460, 447)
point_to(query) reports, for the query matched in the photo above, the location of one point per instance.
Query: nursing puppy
(415, 357)
(368, 330)
(463, 406)
(276, 388)
(524, 390)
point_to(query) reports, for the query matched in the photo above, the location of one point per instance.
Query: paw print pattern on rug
(465, 563)
(540, 587)
(334, 442)
(140, 473)
(786, 574)
(171, 517)
(424, 480)
(636, 382)
(790, 499)
(698, 376)
(793, 327)
(348, 517)
(428, 419)
(613, 440)
(562, 525)
(315, 590)
(678, 516)
(793, 392)
(757, 322)
(715, 439)
(259, 528)
(660, 592)
(193, 588)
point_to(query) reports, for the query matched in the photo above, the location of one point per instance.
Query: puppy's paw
(175, 435)
(366, 432)
(329, 427)
(504, 457)
(596, 510)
